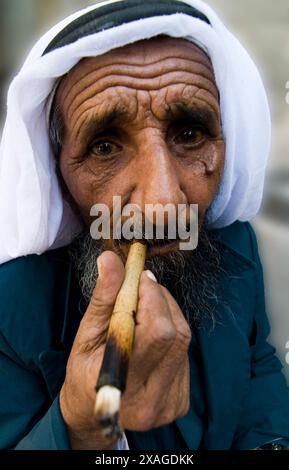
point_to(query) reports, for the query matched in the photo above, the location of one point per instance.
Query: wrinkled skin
(142, 122)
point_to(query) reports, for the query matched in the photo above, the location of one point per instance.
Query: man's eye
(104, 148)
(190, 136)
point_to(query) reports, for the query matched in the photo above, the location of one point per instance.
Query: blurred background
(263, 27)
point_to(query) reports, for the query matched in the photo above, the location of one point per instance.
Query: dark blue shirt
(239, 398)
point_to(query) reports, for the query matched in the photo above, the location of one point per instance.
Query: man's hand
(157, 390)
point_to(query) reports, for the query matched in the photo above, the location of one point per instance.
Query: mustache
(158, 234)
(192, 277)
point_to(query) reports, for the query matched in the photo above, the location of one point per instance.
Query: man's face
(142, 122)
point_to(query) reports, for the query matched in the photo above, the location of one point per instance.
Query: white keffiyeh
(33, 215)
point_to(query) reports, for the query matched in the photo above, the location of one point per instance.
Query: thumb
(99, 310)
(110, 278)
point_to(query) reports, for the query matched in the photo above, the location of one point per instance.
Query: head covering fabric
(111, 15)
(34, 216)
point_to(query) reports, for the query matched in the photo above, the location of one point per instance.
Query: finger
(110, 277)
(155, 330)
(156, 407)
(182, 327)
(152, 305)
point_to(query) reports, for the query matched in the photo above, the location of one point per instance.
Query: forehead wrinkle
(146, 50)
(165, 80)
(142, 67)
(147, 53)
(146, 110)
(134, 103)
(189, 100)
(117, 100)
(108, 60)
(124, 76)
(202, 99)
(88, 108)
(144, 70)
(97, 122)
(120, 106)
(187, 90)
(195, 100)
(90, 103)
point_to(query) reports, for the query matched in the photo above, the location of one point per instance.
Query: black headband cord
(116, 14)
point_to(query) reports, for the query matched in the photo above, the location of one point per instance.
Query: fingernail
(98, 261)
(151, 276)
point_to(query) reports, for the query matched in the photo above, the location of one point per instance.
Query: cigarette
(113, 373)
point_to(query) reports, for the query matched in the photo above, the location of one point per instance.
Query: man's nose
(158, 179)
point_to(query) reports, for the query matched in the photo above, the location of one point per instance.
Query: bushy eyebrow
(203, 116)
(112, 117)
(119, 115)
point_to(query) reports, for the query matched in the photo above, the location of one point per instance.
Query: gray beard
(191, 277)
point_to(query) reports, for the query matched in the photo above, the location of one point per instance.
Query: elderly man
(159, 104)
